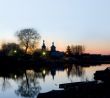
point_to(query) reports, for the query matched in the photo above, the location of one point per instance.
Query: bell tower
(43, 46)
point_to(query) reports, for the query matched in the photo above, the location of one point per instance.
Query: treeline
(75, 50)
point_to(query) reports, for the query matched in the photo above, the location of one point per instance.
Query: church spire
(53, 48)
(43, 46)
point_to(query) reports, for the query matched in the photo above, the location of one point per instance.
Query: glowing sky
(65, 22)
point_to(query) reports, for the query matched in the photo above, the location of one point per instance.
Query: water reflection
(29, 82)
(29, 86)
(75, 70)
(72, 70)
(5, 84)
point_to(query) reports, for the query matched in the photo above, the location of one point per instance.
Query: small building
(54, 53)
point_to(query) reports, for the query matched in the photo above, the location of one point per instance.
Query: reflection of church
(53, 52)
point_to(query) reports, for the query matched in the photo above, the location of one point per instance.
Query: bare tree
(28, 38)
(78, 49)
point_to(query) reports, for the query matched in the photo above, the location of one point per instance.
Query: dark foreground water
(28, 84)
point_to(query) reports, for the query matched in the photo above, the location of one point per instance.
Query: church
(52, 53)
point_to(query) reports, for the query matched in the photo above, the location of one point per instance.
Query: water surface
(31, 82)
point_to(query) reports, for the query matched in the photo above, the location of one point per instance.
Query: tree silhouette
(78, 49)
(68, 50)
(11, 49)
(28, 38)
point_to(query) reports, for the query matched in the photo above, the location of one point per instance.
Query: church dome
(53, 48)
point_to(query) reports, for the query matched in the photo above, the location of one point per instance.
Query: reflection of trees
(5, 84)
(53, 72)
(29, 86)
(69, 68)
(75, 70)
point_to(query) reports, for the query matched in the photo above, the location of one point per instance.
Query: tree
(78, 49)
(68, 50)
(28, 38)
(11, 49)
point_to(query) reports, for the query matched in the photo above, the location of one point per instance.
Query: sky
(64, 22)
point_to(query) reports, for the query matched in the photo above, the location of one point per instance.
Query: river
(32, 82)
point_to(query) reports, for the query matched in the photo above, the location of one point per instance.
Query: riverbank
(84, 59)
(79, 90)
(91, 89)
